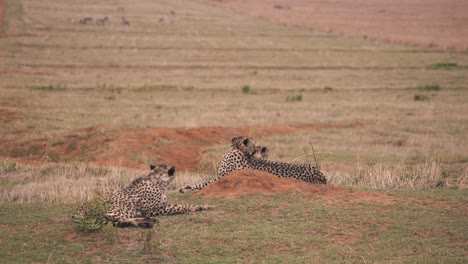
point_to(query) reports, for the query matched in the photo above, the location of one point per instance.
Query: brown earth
(2, 8)
(245, 182)
(431, 23)
(181, 147)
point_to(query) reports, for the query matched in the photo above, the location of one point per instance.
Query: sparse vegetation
(429, 87)
(158, 87)
(7, 166)
(50, 87)
(90, 216)
(443, 66)
(421, 97)
(294, 98)
(246, 89)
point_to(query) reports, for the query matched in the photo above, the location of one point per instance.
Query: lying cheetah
(241, 156)
(144, 198)
(260, 152)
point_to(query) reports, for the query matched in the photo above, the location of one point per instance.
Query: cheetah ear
(171, 171)
(246, 141)
(264, 150)
(234, 138)
(152, 167)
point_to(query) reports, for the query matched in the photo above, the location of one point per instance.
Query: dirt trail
(181, 147)
(245, 182)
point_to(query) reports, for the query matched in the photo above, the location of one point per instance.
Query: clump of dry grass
(79, 182)
(391, 176)
(61, 183)
(71, 183)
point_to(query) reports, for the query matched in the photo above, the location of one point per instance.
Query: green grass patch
(421, 97)
(420, 227)
(429, 87)
(90, 216)
(154, 87)
(443, 66)
(294, 98)
(51, 87)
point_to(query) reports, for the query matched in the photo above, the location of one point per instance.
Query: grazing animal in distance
(86, 20)
(125, 22)
(102, 21)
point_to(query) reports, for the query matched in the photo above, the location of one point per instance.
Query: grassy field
(84, 108)
(420, 227)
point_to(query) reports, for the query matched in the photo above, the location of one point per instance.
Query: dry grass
(71, 183)
(76, 183)
(385, 177)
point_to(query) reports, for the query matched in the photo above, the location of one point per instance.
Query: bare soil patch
(7, 116)
(245, 182)
(2, 8)
(431, 23)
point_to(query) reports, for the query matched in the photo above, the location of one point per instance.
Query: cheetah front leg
(173, 209)
(197, 187)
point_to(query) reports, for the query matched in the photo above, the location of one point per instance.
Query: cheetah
(241, 155)
(260, 152)
(144, 198)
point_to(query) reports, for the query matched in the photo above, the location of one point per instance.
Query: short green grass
(420, 227)
(294, 98)
(443, 66)
(429, 87)
(421, 97)
(50, 87)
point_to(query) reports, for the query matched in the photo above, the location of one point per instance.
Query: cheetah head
(162, 172)
(245, 145)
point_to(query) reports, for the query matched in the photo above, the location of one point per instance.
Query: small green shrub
(90, 216)
(421, 97)
(294, 98)
(246, 89)
(443, 66)
(51, 87)
(155, 87)
(429, 87)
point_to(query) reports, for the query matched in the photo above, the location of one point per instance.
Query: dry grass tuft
(61, 183)
(389, 176)
(80, 182)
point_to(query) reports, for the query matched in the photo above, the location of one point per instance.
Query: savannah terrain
(85, 108)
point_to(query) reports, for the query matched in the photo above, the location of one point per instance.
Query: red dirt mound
(180, 147)
(245, 182)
